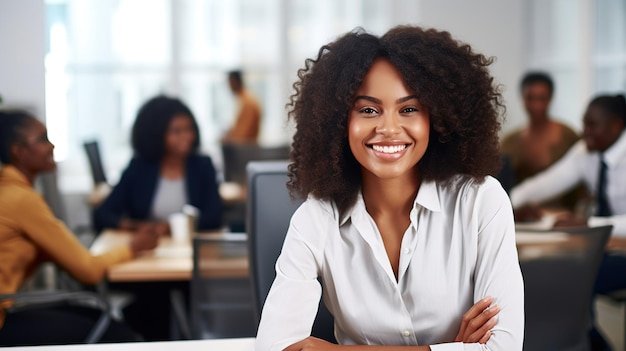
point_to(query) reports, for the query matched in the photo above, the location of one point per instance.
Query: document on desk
(526, 238)
(546, 222)
(173, 251)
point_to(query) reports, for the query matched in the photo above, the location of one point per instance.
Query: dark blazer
(133, 195)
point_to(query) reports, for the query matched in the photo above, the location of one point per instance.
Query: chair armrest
(39, 299)
(54, 297)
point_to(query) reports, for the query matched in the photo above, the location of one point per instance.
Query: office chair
(559, 280)
(47, 183)
(92, 149)
(269, 211)
(237, 155)
(38, 299)
(221, 300)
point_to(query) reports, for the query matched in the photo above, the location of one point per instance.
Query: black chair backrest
(268, 214)
(559, 280)
(92, 149)
(221, 306)
(237, 155)
(48, 183)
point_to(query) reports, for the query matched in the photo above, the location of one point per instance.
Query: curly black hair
(150, 127)
(449, 79)
(11, 124)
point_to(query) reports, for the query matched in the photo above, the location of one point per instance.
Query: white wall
(493, 28)
(22, 50)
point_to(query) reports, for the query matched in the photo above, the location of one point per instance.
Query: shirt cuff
(599, 221)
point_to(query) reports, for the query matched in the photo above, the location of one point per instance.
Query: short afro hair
(537, 77)
(449, 79)
(11, 124)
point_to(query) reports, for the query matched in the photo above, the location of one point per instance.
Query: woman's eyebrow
(368, 98)
(378, 101)
(406, 98)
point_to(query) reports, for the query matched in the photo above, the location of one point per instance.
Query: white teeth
(389, 149)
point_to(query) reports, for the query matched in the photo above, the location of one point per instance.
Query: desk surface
(243, 344)
(170, 261)
(530, 232)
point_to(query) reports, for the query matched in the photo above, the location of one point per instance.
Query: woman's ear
(15, 152)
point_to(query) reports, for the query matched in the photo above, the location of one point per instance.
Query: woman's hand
(146, 238)
(569, 221)
(311, 344)
(527, 213)
(162, 228)
(478, 321)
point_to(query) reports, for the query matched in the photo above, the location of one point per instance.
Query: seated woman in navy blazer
(165, 173)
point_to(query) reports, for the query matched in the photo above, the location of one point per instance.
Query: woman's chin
(51, 167)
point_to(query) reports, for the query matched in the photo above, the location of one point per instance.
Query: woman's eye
(409, 109)
(367, 110)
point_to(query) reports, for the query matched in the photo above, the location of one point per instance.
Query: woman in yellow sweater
(30, 234)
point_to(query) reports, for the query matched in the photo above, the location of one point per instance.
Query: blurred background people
(30, 234)
(603, 142)
(247, 123)
(535, 147)
(166, 172)
(599, 160)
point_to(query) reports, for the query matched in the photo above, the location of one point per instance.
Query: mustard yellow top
(31, 234)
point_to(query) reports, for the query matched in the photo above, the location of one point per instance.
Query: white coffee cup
(192, 216)
(179, 226)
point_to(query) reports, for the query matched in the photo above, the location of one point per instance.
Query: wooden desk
(532, 245)
(242, 344)
(170, 261)
(527, 233)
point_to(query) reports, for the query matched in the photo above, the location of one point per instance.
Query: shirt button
(406, 333)
(407, 251)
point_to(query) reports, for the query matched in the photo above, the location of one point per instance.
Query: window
(105, 58)
(610, 47)
(583, 45)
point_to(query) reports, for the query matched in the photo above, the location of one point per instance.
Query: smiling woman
(394, 158)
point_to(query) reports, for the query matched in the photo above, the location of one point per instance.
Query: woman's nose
(388, 124)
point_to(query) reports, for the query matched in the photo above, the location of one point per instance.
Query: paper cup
(179, 226)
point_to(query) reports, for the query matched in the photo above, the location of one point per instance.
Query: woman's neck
(390, 195)
(539, 124)
(173, 166)
(30, 176)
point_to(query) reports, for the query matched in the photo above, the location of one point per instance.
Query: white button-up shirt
(579, 164)
(459, 248)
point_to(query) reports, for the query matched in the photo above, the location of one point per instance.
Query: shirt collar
(427, 197)
(12, 174)
(617, 152)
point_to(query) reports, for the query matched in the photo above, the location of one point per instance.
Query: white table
(243, 344)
